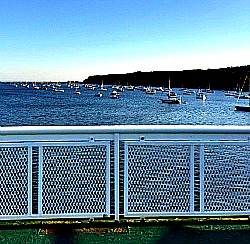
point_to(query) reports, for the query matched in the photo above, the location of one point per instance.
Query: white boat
(90, 87)
(160, 89)
(36, 87)
(200, 95)
(119, 88)
(172, 97)
(230, 93)
(244, 107)
(150, 91)
(188, 92)
(98, 94)
(102, 87)
(129, 88)
(77, 92)
(114, 94)
(57, 90)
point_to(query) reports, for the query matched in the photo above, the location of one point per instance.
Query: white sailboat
(102, 87)
(244, 107)
(172, 97)
(201, 95)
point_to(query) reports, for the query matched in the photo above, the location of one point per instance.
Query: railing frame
(176, 134)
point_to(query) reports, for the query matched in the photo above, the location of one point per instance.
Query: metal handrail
(122, 129)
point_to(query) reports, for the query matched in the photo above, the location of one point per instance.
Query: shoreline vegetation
(230, 79)
(216, 79)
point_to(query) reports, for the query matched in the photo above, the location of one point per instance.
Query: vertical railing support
(40, 168)
(202, 179)
(29, 180)
(126, 180)
(116, 169)
(192, 179)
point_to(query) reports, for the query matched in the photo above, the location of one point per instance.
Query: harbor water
(26, 106)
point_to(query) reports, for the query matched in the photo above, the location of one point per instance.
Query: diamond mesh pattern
(158, 178)
(74, 179)
(13, 180)
(227, 178)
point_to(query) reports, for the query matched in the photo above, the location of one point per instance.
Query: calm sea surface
(22, 106)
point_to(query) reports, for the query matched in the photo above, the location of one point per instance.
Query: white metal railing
(130, 170)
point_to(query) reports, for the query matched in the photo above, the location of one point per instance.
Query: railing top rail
(125, 129)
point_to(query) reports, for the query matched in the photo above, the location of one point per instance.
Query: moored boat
(244, 107)
(172, 97)
(77, 92)
(150, 91)
(114, 94)
(98, 94)
(200, 95)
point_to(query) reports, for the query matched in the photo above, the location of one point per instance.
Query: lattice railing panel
(158, 178)
(226, 178)
(74, 179)
(14, 180)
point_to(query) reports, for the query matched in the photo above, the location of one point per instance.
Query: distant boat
(90, 87)
(77, 92)
(57, 90)
(208, 90)
(160, 89)
(188, 92)
(230, 93)
(98, 94)
(102, 87)
(44, 87)
(172, 97)
(119, 88)
(114, 94)
(200, 95)
(244, 107)
(36, 87)
(150, 91)
(129, 88)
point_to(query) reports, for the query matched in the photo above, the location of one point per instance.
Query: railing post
(192, 179)
(116, 168)
(29, 180)
(202, 179)
(40, 168)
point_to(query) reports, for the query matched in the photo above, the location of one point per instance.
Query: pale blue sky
(72, 39)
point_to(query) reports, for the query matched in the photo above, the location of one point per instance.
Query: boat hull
(169, 101)
(242, 108)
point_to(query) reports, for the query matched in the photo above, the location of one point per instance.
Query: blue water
(22, 106)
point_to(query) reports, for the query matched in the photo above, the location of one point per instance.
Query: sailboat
(102, 87)
(171, 96)
(244, 107)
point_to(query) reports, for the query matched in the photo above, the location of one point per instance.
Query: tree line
(229, 78)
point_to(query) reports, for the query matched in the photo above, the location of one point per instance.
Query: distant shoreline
(230, 78)
(216, 79)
